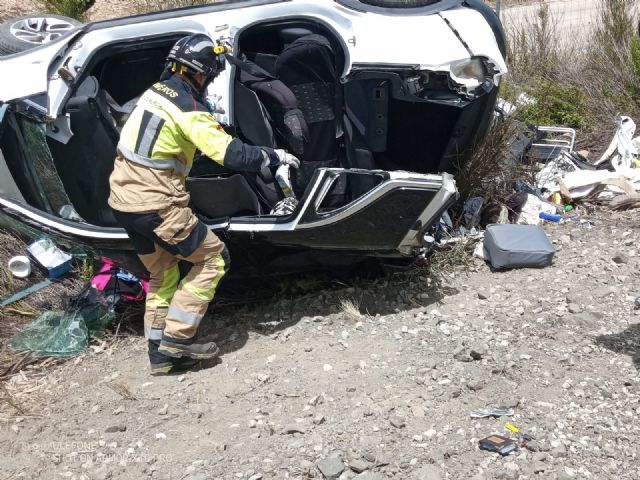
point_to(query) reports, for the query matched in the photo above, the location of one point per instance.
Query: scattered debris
(498, 443)
(491, 412)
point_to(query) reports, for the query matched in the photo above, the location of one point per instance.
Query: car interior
(286, 94)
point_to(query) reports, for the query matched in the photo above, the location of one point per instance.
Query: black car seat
(268, 115)
(223, 197)
(281, 110)
(85, 162)
(308, 67)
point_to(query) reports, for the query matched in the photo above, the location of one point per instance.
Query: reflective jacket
(158, 143)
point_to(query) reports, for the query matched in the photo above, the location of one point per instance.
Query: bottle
(550, 217)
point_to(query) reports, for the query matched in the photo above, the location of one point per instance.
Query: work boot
(173, 366)
(197, 349)
(163, 365)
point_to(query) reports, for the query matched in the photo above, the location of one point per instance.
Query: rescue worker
(155, 152)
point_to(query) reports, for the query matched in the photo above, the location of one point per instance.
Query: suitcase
(517, 246)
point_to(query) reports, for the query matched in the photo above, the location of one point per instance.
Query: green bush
(69, 8)
(557, 105)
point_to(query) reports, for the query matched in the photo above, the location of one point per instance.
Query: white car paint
(368, 38)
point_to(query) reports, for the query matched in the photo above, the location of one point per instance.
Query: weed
(351, 309)
(69, 8)
(146, 6)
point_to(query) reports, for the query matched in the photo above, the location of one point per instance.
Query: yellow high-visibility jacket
(158, 143)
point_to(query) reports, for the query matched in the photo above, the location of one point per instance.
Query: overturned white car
(377, 98)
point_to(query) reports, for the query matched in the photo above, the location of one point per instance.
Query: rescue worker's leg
(163, 282)
(190, 302)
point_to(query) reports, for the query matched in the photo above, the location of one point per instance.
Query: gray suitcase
(512, 246)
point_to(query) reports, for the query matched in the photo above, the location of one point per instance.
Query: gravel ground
(307, 388)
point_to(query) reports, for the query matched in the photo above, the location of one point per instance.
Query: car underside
(357, 135)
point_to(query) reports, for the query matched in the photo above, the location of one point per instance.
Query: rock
(462, 355)
(428, 472)
(319, 419)
(636, 303)
(359, 466)
(482, 296)
(116, 428)
(293, 428)
(559, 452)
(620, 258)
(418, 411)
(574, 308)
(397, 421)
(475, 385)
(478, 351)
(330, 467)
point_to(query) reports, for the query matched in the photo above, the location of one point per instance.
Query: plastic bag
(67, 333)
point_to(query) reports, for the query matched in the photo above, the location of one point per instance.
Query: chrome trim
(448, 190)
(395, 180)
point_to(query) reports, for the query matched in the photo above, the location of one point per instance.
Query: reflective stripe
(152, 333)
(160, 164)
(189, 318)
(148, 137)
(207, 294)
(162, 298)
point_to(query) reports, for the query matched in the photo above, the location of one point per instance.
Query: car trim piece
(441, 201)
(73, 228)
(394, 180)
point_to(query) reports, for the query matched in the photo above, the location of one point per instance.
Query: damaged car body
(376, 98)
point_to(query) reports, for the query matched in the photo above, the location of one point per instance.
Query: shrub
(69, 8)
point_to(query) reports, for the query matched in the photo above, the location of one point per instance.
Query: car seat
(307, 66)
(223, 197)
(85, 162)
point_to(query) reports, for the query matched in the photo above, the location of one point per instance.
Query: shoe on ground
(173, 366)
(198, 350)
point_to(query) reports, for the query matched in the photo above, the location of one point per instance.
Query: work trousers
(175, 307)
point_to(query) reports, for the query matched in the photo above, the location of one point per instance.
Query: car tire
(30, 31)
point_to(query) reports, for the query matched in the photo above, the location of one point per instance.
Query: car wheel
(22, 33)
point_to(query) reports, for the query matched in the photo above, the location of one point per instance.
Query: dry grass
(489, 170)
(350, 308)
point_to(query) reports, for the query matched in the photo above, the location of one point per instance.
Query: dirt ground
(307, 388)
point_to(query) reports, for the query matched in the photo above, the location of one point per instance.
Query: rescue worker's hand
(285, 158)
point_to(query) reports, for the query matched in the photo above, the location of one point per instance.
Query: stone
(620, 258)
(116, 428)
(293, 428)
(358, 465)
(397, 421)
(478, 351)
(330, 467)
(574, 308)
(559, 452)
(462, 355)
